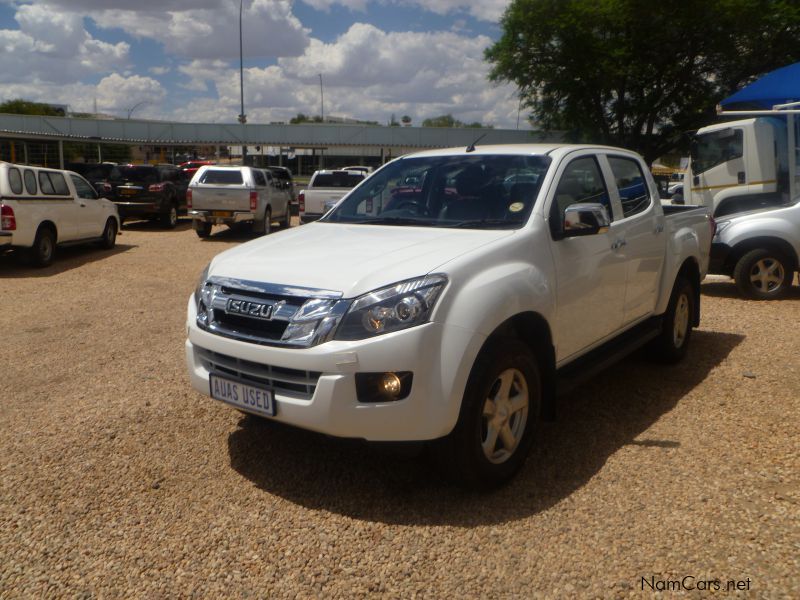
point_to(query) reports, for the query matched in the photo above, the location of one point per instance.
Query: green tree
(449, 120)
(636, 73)
(301, 118)
(19, 106)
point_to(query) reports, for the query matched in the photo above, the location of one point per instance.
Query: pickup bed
(449, 297)
(324, 190)
(220, 195)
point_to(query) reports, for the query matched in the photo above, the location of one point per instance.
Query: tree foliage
(637, 73)
(19, 106)
(449, 120)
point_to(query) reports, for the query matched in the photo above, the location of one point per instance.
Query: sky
(179, 59)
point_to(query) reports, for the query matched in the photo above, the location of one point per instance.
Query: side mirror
(585, 218)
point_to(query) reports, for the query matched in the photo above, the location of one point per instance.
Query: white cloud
(485, 10)
(52, 46)
(118, 94)
(269, 28)
(158, 71)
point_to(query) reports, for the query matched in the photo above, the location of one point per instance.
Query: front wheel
(673, 341)
(763, 274)
(499, 417)
(267, 224)
(286, 221)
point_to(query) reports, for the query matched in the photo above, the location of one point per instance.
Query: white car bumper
(315, 387)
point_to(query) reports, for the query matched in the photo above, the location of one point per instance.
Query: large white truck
(746, 164)
(454, 308)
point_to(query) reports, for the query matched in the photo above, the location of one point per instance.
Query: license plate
(221, 213)
(126, 192)
(255, 399)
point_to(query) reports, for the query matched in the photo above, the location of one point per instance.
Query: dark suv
(283, 181)
(148, 192)
(96, 173)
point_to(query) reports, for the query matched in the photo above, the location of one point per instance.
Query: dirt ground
(117, 480)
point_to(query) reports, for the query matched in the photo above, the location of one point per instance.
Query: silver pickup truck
(325, 189)
(229, 195)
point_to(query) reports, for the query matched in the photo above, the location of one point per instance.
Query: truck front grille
(288, 382)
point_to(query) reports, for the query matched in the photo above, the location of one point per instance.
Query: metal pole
(60, 154)
(321, 100)
(791, 141)
(242, 116)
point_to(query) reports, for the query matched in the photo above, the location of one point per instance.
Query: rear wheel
(109, 235)
(202, 229)
(763, 274)
(267, 224)
(499, 417)
(169, 219)
(44, 247)
(286, 221)
(671, 344)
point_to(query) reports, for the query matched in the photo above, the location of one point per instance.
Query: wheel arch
(532, 329)
(47, 224)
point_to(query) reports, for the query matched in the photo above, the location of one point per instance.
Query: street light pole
(321, 100)
(134, 107)
(242, 116)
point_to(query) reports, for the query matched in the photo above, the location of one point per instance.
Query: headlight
(399, 306)
(721, 226)
(201, 293)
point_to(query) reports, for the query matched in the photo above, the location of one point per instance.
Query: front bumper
(206, 216)
(718, 259)
(439, 356)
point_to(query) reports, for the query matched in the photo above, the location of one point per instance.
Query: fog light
(383, 387)
(391, 384)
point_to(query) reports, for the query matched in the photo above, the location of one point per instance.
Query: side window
(631, 183)
(59, 184)
(45, 184)
(580, 182)
(15, 181)
(30, 182)
(258, 177)
(83, 188)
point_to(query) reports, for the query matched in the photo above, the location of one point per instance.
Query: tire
(673, 341)
(286, 221)
(202, 229)
(266, 225)
(44, 248)
(499, 417)
(169, 219)
(109, 235)
(763, 274)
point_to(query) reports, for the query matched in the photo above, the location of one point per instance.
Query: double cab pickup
(449, 297)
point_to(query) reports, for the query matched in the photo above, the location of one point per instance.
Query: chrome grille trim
(289, 382)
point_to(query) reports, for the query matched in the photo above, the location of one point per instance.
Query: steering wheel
(416, 205)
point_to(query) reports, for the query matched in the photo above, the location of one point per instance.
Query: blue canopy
(781, 86)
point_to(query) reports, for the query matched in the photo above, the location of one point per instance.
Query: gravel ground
(119, 481)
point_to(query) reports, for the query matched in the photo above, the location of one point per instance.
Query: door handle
(740, 177)
(83, 205)
(659, 228)
(618, 244)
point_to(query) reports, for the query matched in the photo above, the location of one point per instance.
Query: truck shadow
(363, 481)
(727, 289)
(66, 259)
(131, 224)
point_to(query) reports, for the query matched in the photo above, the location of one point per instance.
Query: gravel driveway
(118, 480)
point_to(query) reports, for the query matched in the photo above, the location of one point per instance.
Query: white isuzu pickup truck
(449, 297)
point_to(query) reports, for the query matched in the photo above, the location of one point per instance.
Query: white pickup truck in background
(43, 208)
(220, 195)
(450, 296)
(324, 190)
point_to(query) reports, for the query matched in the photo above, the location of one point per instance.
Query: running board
(577, 372)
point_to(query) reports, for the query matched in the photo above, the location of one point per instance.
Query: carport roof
(301, 136)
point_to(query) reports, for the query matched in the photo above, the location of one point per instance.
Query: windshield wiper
(483, 223)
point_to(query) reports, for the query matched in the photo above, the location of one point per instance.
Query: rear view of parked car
(44, 208)
(230, 195)
(325, 189)
(155, 192)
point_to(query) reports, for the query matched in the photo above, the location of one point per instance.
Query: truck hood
(351, 259)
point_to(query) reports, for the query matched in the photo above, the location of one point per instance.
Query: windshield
(479, 191)
(716, 147)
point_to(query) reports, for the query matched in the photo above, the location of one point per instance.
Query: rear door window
(258, 176)
(82, 187)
